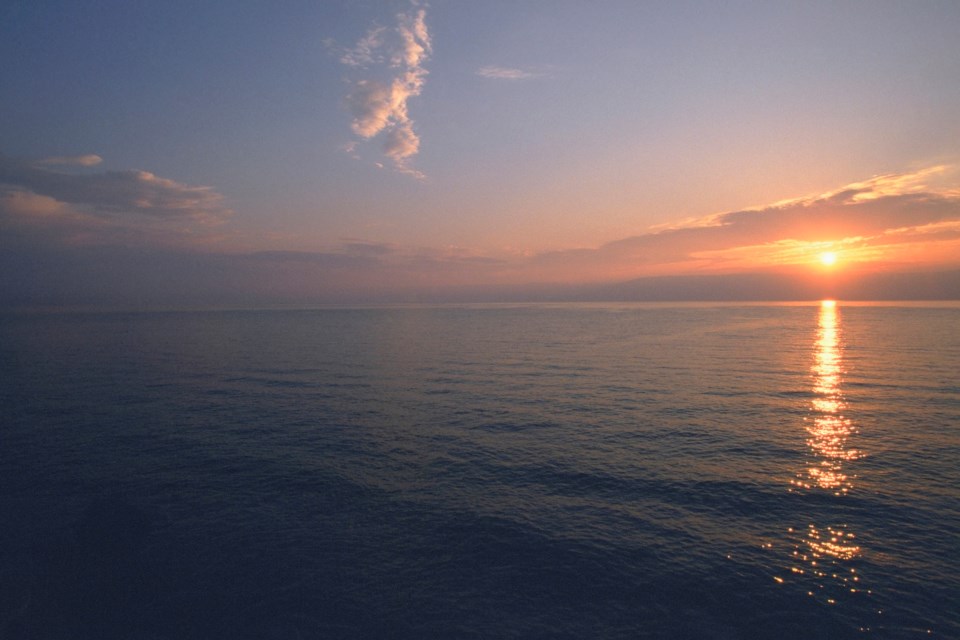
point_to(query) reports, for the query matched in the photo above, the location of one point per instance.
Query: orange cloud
(864, 220)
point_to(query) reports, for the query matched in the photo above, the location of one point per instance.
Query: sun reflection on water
(828, 429)
(823, 557)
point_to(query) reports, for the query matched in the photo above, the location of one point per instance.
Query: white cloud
(505, 73)
(379, 105)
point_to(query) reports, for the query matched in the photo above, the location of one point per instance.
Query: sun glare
(828, 258)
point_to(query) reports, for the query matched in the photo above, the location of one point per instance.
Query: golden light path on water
(829, 429)
(823, 555)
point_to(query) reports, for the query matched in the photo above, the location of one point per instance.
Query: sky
(295, 152)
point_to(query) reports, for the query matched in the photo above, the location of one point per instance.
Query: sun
(828, 258)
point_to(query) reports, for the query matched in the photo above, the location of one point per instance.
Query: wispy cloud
(88, 160)
(102, 206)
(371, 103)
(505, 73)
(366, 51)
(379, 105)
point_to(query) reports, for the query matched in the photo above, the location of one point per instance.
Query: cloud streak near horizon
(875, 221)
(505, 73)
(89, 160)
(135, 207)
(379, 105)
(58, 218)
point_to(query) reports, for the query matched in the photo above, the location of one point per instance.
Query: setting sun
(828, 258)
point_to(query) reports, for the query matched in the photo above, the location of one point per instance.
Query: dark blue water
(571, 471)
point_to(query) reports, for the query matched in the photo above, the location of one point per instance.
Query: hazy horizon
(748, 288)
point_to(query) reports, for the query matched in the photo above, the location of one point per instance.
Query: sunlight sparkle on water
(828, 429)
(822, 555)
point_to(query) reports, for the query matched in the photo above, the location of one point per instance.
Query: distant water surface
(551, 471)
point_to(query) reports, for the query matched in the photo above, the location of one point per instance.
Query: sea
(717, 471)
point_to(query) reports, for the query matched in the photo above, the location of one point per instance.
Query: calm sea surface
(564, 471)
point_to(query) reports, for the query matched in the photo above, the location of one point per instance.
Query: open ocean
(489, 471)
